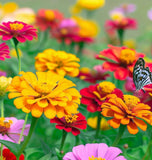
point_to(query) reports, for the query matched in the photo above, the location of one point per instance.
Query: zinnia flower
(18, 30)
(94, 95)
(127, 111)
(119, 60)
(48, 19)
(10, 129)
(59, 62)
(8, 155)
(44, 92)
(71, 123)
(126, 8)
(4, 51)
(2, 73)
(92, 122)
(92, 76)
(94, 151)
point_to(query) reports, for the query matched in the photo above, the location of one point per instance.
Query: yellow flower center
(71, 118)
(16, 26)
(96, 158)
(4, 125)
(117, 16)
(106, 87)
(127, 56)
(49, 15)
(131, 101)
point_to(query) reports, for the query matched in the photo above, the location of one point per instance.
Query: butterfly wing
(141, 75)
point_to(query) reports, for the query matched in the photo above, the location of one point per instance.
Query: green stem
(121, 36)
(1, 150)
(21, 135)
(119, 135)
(98, 125)
(77, 140)
(33, 125)
(64, 135)
(80, 49)
(18, 56)
(2, 106)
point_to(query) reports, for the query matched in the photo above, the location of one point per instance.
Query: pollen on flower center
(71, 118)
(16, 26)
(106, 87)
(4, 125)
(127, 56)
(131, 101)
(96, 158)
(49, 15)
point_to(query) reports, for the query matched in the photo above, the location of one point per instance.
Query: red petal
(121, 73)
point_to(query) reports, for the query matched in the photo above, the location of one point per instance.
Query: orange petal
(107, 112)
(19, 102)
(50, 112)
(36, 111)
(13, 95)
(42, 103)
(141, 124)
(132, 128)
(125, 121)
(118, 115)
(115, 123)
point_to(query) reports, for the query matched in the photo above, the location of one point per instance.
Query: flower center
(117, 16)
(127, 56)
(71, 118)
(4, 125)
(106, 87)
(49, 15)
(131, 101)
(16, 26)
(96, 158)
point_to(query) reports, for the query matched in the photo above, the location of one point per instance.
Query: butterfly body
(141, 75)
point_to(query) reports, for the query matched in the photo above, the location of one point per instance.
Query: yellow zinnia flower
(87, 28)
(91, 4)
(59, 62)
(44, 92)
(14, 54)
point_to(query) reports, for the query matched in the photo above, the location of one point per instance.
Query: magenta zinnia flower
(94, 151)
(10, 129)
(19, 30)
(4, 51)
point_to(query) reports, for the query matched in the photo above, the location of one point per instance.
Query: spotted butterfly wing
(141, 75)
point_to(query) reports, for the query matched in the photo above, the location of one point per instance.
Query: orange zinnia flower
(59, 62)
(44, 92)
(127, 111)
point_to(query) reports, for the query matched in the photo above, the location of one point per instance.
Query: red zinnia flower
(19, 30)
(4, 51)
(8, 155)
(95, 95)
(71, 123)
(120, 60)
(47, 19)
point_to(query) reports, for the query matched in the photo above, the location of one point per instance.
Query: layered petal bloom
(8, 155)
(120, 60)
(44, 92)
(48, 19)
(94, 151)
(92, 76)
(10, 129)
(92, 122)
(4, 51)
(94, 95)
(71, 123)
(18, 30)
(58, 62)
(127, 111)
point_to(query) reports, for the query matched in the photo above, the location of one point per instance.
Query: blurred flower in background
(71, 123)
(150, 14)
(4, 51)
(94, 151)
(14, 54)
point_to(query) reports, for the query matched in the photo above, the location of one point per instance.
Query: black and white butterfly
(141, 74)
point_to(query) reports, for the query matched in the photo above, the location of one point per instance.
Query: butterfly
(141, 75)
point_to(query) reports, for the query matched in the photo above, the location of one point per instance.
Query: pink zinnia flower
(19, 30)
(10, 129)
(4, 51)
(94, 151)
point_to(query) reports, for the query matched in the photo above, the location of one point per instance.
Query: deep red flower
(120, 60)
(48, 19)
(19, 30)
(71, 123)
(124, 23)
(8, 155)
(4, 51)
(94, 95)
(97, 73)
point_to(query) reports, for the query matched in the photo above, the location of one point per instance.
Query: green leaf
(46, 157)
(14, 147)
